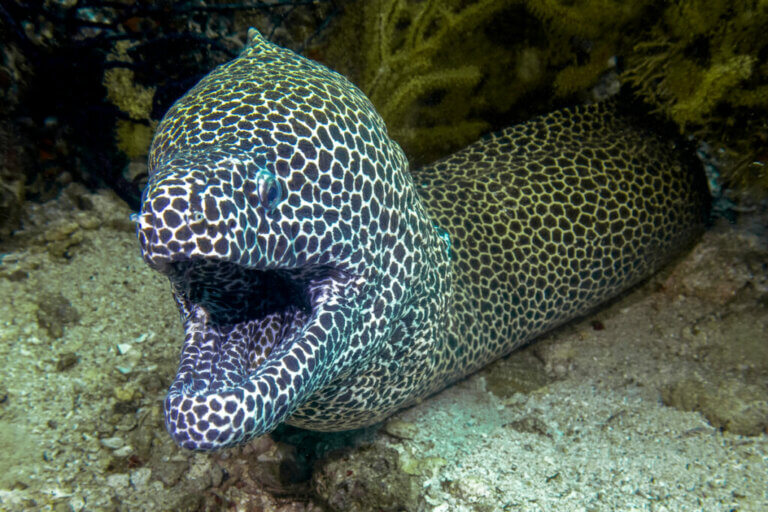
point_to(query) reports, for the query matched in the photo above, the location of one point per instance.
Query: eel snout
(262, 325)
(244, 370)
(242, 336)
(256, 344)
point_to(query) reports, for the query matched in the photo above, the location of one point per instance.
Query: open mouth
(258, 343)
(231, 294)
(238, 316)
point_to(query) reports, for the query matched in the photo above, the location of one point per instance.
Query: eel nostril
(146, 221)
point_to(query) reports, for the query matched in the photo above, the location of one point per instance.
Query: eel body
(324, 285)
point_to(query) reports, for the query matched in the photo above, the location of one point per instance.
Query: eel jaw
(257, 345)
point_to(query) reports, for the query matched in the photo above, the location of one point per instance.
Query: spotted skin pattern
(322, 284)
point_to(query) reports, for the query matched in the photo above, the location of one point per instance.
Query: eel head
(274, 205)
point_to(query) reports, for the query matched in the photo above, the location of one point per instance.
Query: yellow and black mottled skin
(322, 284)
(552, 217)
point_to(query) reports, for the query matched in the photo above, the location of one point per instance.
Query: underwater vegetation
(443, 72)
(436, 71)
(705, 66)
(84, 82)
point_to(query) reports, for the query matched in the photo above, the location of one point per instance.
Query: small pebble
(140, 477)
(124, 393)
(118, 481)
(62, 506)
(125, 451)
(401, 429)
(65, 361)
(113, 443)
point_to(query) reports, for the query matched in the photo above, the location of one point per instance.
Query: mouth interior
(231, 294)
(250, 312)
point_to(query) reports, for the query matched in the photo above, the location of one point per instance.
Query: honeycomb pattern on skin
(552, 217)
(322, 284)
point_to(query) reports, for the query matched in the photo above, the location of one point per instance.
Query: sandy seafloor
(657, 402)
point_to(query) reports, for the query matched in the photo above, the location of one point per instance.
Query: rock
(125, 451)
(416, 466)
(87, 221)
(60, 238)
(728, 404)
(65, 361)
(471, 488)
(126, 393)
(530, 425)
(113, 443)
(170, 472)
(557, 357)
(118, 481)
(367, 479)
(61, 231)
(15, 275)
(62, 506)
(166, 463)
(401, 429)
(112, 211)
(520, 372)
(54, 312)
(734, 262)
(135, 171)
(140, 477)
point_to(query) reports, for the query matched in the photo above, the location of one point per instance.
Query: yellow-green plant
(584, 35)
(443, 72)
(437, 70)
(122, 90)
(411, 59)
(134, 139)
(705, 66)
(135, 100)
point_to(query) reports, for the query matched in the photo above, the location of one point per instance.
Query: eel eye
(269, 190)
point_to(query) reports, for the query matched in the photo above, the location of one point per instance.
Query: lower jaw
(226, 357)
(248, 371)
(214, 403)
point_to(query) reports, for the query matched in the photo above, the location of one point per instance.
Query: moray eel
(324, 285)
